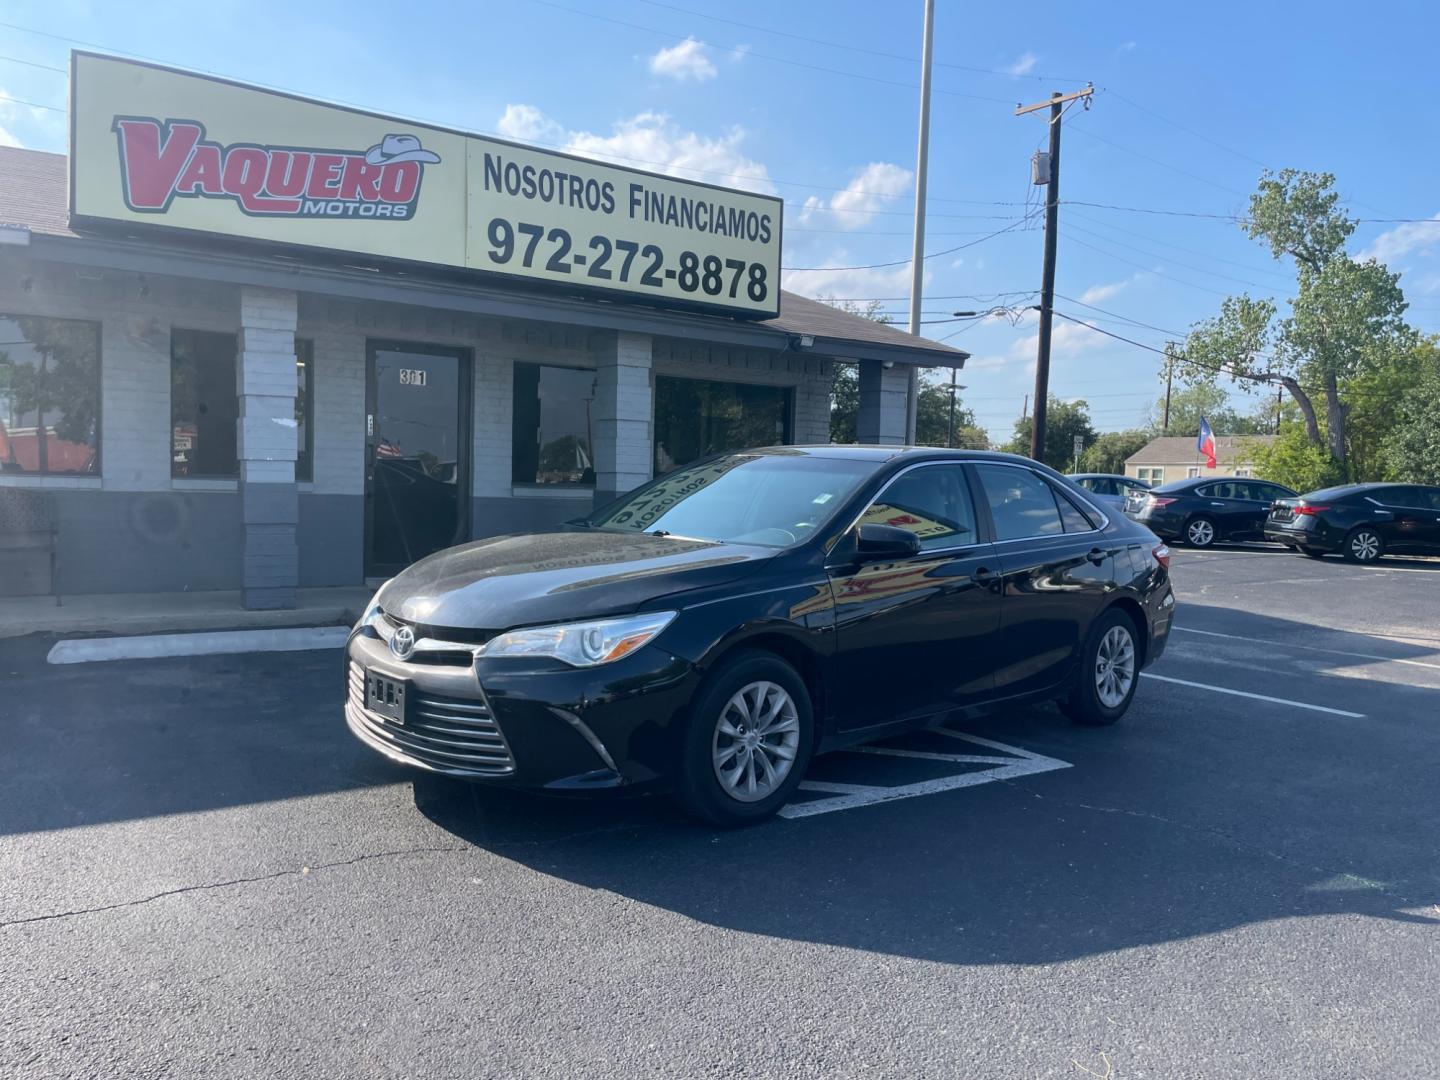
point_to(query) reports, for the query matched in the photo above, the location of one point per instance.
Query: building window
(1192, 471)
(49, 396)
(1242, 472)
(696, 417)
(204, 405)
(305, 409)
(551, 431)
(1150, 476)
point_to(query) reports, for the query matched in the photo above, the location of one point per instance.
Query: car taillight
(1154, 501)
(1162, 555)
(1308, 511)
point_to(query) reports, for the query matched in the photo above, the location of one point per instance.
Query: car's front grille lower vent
(450, 734)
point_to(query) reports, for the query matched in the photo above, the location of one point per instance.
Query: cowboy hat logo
(394, 149)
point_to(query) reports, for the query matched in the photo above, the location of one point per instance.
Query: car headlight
(372, 609)
(582, 644)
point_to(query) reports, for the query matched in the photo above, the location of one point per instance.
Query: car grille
(445, 733)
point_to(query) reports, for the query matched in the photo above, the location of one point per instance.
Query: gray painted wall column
(622, 413)
(882, 414)
(266, 444)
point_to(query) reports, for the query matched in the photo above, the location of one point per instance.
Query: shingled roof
(33, 187)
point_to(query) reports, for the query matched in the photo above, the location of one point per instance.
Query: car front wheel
(1109, 672)
(1363, 545)
(747, 744)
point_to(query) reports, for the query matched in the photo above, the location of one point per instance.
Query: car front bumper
(526, 723)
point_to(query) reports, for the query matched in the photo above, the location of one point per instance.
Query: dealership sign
(160, 146)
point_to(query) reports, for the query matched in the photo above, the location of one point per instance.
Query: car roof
(889, 453)
(1106, 475)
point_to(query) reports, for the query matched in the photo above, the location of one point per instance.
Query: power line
(856, 48)
(1175, 262)
(1163, 164)
(32, 63)
(906, 262)
(1178, 247)
(760, 56)
(31, 104)
(1147, 269)
(1235, 219)
(1188, 130)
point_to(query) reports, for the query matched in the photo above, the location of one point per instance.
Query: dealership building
(254, 342)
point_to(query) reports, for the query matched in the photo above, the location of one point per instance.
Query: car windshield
(773, 500)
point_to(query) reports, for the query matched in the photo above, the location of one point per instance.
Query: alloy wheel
(1365, 546)
(756, 738)
(1115, 667)
(1200, 533)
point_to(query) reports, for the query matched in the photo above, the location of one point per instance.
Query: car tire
(1112, 648)
(1363, 545)
(1200, 532)
(742, 688)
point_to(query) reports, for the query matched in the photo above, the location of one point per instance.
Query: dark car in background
(1111, 489)
(713, 629)
(1360, 521)
(1206, 510)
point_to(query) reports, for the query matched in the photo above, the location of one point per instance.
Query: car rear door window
(933, 502)
(1072, 514)
(1021, 503)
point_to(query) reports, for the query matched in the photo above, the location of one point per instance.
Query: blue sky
(1191, 102)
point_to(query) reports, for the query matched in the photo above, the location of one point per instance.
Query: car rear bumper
(1301, 533)
(523, 723)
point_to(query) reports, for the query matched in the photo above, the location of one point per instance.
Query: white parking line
(1017, 763)
(1310, 648)
(1256, 697)
(151, 646)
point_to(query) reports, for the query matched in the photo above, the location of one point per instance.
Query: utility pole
(1169, 367)
(1025, 407)
(1047, 284)
(917, 254)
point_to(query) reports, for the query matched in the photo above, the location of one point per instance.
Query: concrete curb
(162, 645)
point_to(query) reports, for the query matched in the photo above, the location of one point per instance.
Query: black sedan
(1361, 521)
(713, 629)
(1202, 511)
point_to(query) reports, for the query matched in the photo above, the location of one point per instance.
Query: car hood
(535, 578)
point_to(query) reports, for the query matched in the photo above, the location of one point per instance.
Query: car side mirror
(875, 543)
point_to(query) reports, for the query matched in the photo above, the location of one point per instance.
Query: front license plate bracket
(385, 696)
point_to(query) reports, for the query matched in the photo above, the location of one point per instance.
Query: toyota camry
(715, 628)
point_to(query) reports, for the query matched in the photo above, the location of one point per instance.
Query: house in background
(1174, 457)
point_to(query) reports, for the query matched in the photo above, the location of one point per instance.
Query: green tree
(1108, 452)
(1345, 318)
(1294, 460)
(1064, 420)
(932, 420)
(1412, 449)
(1205, 398)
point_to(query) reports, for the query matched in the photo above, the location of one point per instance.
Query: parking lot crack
(301, 871)
(1382, 888)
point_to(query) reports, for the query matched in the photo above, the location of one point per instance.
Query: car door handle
(1097, 556)
(984, 576)
(1217, 504)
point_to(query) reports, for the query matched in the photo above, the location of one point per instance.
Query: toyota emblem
(402, 642)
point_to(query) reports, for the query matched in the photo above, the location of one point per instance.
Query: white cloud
(649, 141)
(1124, 47)
(1412, 238)
(8, 139)
(1097, 293)
(858, 201)
(688, 60)
(1024, 65)
(530, 124)
(840, 282)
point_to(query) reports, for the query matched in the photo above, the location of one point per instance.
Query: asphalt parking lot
(202, 874)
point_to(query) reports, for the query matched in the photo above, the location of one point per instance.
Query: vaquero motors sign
(165, 147)
(162, 160)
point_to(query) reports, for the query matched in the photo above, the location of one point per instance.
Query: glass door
(417, 453)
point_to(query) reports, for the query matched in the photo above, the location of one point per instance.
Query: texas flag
(1205, 443)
